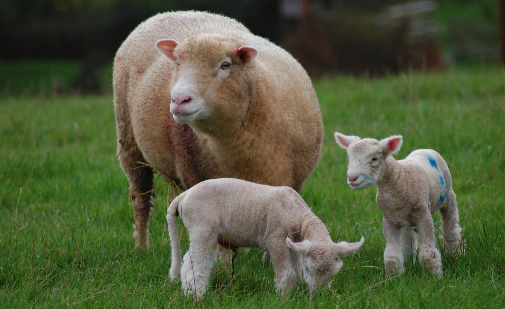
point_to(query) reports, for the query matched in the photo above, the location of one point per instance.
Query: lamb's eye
(225, 65)
(374, 161)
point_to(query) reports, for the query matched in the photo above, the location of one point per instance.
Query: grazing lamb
(409, 191)
(236, 213)
(197, 96)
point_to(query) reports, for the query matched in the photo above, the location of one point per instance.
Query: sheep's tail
(172, 212)
(344, 248)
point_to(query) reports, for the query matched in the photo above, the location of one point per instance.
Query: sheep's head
(318, 262)
(210, 87)
(366, 158)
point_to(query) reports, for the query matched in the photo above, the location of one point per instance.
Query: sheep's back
(436, 173)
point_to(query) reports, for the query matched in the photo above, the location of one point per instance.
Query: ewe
(198, 96)
(236, 213)
(409, 191)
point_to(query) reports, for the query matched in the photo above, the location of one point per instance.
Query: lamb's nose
(353, 179)
(181, 99)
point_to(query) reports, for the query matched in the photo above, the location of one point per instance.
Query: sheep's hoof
(436, 270)
(394, 267)
(141, 240)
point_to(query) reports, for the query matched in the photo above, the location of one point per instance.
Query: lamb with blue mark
(409, 191)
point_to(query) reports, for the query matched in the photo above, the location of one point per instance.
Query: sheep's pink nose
(181, 99)
(353, 179)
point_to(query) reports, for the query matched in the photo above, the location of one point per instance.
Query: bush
(353, 41)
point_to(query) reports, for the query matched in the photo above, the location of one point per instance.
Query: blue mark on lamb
(433, 163)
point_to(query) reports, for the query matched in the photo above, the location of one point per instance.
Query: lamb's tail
(172, 212)
(344, 248)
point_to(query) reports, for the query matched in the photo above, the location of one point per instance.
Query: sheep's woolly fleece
(409, 191)
(198, 96)
(236, 213)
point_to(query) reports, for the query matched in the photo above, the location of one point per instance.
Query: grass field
(66, 225)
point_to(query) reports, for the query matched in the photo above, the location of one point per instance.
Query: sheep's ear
(299, 247)
(344, 141)
(167, 47)
(392, 144)
(344, 248)
(246, 54)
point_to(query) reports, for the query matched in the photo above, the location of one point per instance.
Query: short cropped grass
(66, 225)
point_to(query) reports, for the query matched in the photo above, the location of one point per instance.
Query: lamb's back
(435, 171)
(246, 212)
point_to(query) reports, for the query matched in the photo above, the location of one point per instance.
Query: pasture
(66, 225)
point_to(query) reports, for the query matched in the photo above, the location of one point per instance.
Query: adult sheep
(198, 96)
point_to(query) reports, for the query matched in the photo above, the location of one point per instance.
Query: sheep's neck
(313, 228)
(392, 178)
(242, 154)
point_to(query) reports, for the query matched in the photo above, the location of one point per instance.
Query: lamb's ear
(167, 47)
(344, 141)
(344, 248)
(246, 54)
(392, 144)
(299, 247)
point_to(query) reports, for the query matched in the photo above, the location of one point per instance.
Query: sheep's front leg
(393, 255)
(428, 252)
(285, 275)
(197, 265)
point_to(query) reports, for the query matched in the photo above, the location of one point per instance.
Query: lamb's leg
(409, 241)
(285, 275)
(197, 265)
(393, 255)
(451, 231)
(139, 176)
(428, 252)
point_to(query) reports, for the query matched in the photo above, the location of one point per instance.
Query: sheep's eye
(374, 160)
(225, 65)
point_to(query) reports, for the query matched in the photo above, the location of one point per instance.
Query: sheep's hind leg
(429, 256)
(393, 254)
(451, 231)
(197, 266)
(139, 176)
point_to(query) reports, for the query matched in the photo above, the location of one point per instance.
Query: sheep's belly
(232, 242)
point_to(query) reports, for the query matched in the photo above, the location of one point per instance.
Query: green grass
(66, 225)
(44, 78)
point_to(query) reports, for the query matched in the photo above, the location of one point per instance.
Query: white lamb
(236, 213)
(409, 191)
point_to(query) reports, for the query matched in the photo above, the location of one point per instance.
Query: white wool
(236, 213)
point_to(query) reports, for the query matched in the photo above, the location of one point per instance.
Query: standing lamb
(237, 213)
(197, 96)
(409, 191)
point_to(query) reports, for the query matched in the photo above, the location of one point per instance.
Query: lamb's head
(366, 158)
(211, 84)
(317, 262)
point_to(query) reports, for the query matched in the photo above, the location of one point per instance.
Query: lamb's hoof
(435, 269)
(394, 267)
(431, 260)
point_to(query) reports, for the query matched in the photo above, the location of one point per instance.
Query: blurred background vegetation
(67, 46)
